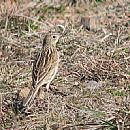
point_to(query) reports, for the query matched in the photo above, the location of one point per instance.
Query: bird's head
(52, 39)
(53, 36)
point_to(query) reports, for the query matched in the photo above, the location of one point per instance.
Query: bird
(44, 68)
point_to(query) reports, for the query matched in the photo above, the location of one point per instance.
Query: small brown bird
(44, 68)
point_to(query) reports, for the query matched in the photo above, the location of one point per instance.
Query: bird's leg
(41, 94)
(39, 91)
(48, 98)
(47, 87)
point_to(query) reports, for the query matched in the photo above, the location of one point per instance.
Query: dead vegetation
(94, 70)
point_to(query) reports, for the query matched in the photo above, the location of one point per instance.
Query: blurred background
(94, 69)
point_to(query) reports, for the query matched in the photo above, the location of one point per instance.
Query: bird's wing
(41, 66)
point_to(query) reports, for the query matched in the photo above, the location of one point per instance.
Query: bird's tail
(30, 98)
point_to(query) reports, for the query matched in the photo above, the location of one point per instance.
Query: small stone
(94, 84)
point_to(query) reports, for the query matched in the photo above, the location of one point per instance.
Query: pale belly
(50, 75)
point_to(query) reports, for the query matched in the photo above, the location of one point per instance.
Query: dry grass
(94, 71)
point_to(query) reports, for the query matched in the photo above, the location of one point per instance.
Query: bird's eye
(53, 36)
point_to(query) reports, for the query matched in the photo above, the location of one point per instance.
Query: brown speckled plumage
(44, 68)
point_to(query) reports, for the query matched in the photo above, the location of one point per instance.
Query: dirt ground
(94, 69)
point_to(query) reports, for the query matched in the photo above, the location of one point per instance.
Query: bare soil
(94, 69)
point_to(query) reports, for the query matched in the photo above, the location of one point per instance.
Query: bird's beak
(60, 35)
(63, 34)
